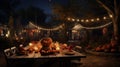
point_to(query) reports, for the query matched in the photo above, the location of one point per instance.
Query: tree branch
(116, 10)
(105, 7)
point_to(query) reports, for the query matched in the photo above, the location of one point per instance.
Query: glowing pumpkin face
(46, 42)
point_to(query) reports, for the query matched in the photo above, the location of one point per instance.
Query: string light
(56, 28)
(82, 20)
(110, 16)
(98, 19)
(97, 27)
(92, 20)
(104, 18)
(78, 20)
(89, 20)
(68, 18)
(73, 19)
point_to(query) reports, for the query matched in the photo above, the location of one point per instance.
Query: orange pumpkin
(103, 47)
(108, 46)
(98, 49)
(113, 42)
(46, 42)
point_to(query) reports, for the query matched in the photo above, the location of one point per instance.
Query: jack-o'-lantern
(45, 42)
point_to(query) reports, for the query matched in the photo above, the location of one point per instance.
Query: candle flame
(57, 46)
(30, 44)
(36, 48)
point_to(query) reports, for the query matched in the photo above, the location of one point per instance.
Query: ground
(90, 61)
(100, 61)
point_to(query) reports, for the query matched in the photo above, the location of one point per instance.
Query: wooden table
(63, 59)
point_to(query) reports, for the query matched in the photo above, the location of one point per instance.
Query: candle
(30, 44)
(57, 46)
(36, 48)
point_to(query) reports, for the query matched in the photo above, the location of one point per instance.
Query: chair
(13, 50)
(7, 52)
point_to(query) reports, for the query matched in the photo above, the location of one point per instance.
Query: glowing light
(98, 19)
(8, 34)
(41, 28)
(104, 18)
(68, 18)
(30, 44)
(92, 20)
(110, 16)
(78, 20)
(57, 46)
(36, 48)
(73, 19)
(87, 20)
(82, 20)
(21, 45)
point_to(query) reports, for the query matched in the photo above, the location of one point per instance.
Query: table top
(34, 55)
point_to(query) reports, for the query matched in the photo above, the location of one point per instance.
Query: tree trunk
(115, 18)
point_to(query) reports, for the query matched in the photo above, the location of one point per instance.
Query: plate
(69, 53)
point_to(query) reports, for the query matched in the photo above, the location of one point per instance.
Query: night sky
(46, 5)
(43, 4)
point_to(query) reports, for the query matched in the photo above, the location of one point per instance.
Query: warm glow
(21, 45)
(36, 48)
(8, 33)
(78, 20)
(110, 16)
(92, 19)
(82, 20)
(87, 20)
(73, 19)
(98, 19)
(57, 46)
(68, 18)
(104, 18)
(16, 38)
(30, 44)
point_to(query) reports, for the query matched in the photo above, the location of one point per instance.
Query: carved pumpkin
(45, 42)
